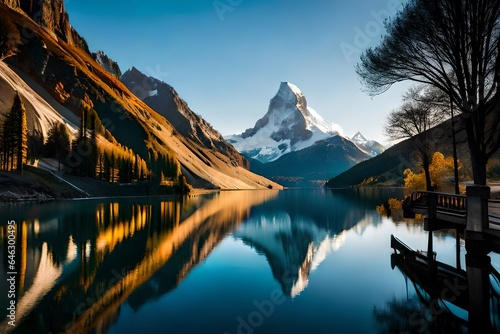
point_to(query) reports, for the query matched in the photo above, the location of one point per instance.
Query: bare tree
(415, 118)
(436, 42)
(444, 102)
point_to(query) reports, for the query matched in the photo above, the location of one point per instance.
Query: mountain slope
(289, 125)
(66, 72)
(163, 98)
(387, 168)
(52, 16)
(313, 165)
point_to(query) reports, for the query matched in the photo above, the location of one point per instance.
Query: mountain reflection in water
(79, 262)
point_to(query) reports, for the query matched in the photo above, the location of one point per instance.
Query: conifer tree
(58, 142)
(15, 137)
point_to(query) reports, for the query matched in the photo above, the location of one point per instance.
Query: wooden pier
(474, 213)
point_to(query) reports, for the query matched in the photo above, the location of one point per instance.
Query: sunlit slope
(73, 79)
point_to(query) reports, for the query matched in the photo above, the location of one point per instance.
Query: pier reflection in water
(262, 261)
(447, 298)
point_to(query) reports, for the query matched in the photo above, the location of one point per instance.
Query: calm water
(295, 261)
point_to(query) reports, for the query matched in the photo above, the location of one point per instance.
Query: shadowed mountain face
(387, 169)
(164, 100)
(313, 165)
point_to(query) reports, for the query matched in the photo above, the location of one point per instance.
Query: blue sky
(226, 58)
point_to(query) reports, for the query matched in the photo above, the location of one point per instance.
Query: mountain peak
(139, 83)
(359, 138)
(371, 147)
(107, 63)
(288, 125)
(285, 85)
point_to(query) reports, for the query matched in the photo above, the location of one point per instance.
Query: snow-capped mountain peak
(290, 95)
(371, 147)
(289, 125)
(358, 138)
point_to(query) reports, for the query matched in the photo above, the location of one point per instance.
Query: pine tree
(8, 141)
(92, 157)
(15, 137)
(22, 131)
(58, 142)
(35, 145)
(2, 144)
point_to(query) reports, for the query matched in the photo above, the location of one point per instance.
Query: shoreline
(37, 185)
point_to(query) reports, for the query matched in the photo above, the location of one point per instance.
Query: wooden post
(430, 220)
(477, 217)
(478, 271)
(430, 248)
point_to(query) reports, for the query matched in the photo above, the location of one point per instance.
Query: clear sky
(227, 58)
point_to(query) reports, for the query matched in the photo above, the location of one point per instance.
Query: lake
(293, 261)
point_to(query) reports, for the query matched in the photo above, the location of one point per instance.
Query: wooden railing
(494, 212)
(430, 203)
(452, 202)
(442, 200)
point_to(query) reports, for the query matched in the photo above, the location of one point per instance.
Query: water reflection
(79, 261)
(293, 248)
(296, 232)
(446, 299)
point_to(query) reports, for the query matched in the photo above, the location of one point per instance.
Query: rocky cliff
(107, 63)
(51, 15)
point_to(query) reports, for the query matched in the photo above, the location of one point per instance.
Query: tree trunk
(425, 166)
(477, 154)
(454, 143)
(478, 166)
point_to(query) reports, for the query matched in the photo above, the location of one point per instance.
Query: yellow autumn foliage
(440, 168)
(395, 204)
